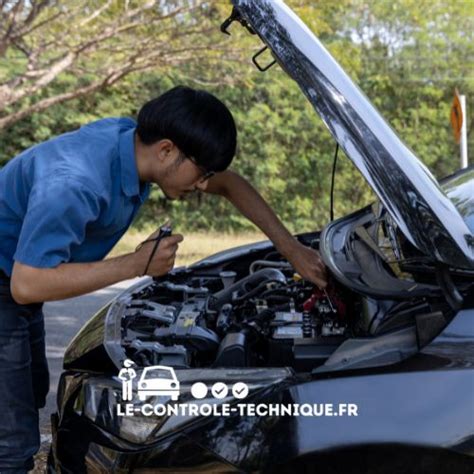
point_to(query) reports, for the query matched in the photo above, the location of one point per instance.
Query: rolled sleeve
(55, 222)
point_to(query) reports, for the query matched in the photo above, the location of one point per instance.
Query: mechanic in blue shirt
(65, 203)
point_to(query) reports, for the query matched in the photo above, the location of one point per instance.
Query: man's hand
(163, 260)
(307, 262)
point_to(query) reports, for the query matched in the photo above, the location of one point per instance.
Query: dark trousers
(24, 380)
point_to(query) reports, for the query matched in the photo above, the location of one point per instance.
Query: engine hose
(260, 285)
(269, 263)
(255, 279)
(255, 291)
(274, 292)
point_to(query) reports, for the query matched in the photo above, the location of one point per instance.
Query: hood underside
(406, 188)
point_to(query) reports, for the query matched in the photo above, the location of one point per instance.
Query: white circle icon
(219, 390)
(199, 390)
(240, 390)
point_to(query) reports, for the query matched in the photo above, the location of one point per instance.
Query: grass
(195, 246)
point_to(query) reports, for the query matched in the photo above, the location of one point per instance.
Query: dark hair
(197, 122)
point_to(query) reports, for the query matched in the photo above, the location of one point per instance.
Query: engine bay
(247, 307)
(270, 317)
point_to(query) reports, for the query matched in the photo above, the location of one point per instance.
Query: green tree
(414, 54)
(52, 52)
(406, 56)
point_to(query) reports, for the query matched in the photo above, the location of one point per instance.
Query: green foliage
(406, 55)
(414, 54)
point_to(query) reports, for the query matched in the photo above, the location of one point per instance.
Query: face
(178, 175)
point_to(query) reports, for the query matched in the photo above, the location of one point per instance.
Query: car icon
(158, 380)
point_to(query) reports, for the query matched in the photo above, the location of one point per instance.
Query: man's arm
(248, 201)
(31, 284)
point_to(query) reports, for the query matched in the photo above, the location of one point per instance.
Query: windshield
(460, 189)
(158, 374)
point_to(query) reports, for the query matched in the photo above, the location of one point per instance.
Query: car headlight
(100, 400)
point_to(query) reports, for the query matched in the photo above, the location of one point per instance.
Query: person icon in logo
(126, 375)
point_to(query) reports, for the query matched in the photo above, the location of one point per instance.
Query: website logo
(217, 398)
(155, 380)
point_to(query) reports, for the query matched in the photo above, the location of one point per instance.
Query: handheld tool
(165, 231)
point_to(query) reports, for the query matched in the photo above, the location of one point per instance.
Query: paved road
(63, 319)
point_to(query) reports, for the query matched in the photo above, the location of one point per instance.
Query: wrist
(132, 266)
(288, 247)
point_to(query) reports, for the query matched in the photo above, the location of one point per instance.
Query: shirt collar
(128, 164)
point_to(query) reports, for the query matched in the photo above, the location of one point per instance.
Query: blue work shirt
(71, 198)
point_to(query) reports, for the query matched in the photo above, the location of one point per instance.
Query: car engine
(270, 317)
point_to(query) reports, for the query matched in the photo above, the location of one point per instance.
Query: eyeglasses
(205, 174)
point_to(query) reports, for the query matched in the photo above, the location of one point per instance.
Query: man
(126, 375)
(65, 203)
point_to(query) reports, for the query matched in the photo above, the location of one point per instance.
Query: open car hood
(406, 188)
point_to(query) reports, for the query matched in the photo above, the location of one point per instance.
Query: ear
(164, 150)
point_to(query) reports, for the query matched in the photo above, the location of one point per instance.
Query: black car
(379, 365)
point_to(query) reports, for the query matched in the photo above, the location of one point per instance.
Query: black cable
(331, 213)
(157, 242)
(165, 231)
